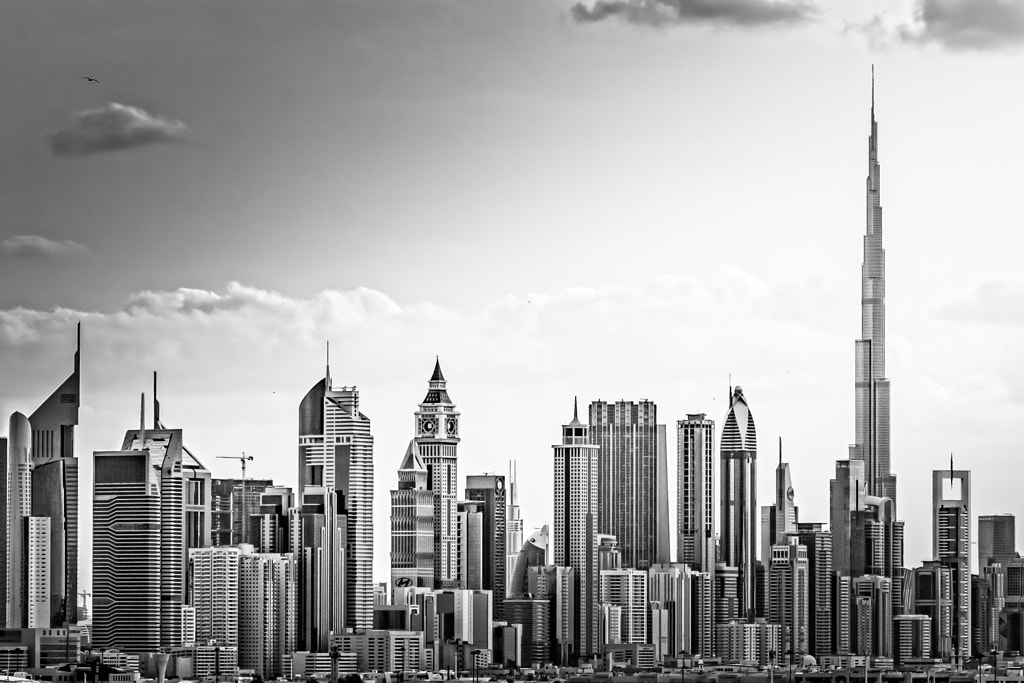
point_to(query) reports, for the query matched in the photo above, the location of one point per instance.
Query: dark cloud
(954, 24)
(114, 127)
(35, 246)
(719, 12)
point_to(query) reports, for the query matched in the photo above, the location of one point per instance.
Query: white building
(266, 611)
(627, 588)
(213, 589)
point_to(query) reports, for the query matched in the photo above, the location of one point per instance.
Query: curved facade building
(534, 553)
(739, 499)
(19, 509)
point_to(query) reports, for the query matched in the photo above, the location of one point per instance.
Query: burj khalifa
(872, 385)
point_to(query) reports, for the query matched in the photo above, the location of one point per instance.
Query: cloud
(999, 301)
(38, 247)
(953, 24)
(114, 127)
(716, 12)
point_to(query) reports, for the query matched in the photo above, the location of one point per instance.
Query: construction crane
(243, 458)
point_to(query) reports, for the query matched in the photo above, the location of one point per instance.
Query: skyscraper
(819, 587)
(412, 524)
(336, 452)
(437, 436)
(739, 498)
(576, 512)
(213, 592)
(513, 527)
(19, 509)
(695, 492)
(55, 488)
(871, 384)
(490, 489)
(997, 539)
(951, 546)
(629, 487)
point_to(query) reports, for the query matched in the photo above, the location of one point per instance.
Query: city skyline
(515, 342)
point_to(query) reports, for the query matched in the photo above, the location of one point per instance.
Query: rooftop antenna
(730, 390)
(951, 468)
(872, 91)
(328, 375)
(575, 409)
(780, 451)
(142, 422)
(156, 405)
(78, 348)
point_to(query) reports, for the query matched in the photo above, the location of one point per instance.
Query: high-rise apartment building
(997, 539)
(317, 533)
(576, 514)
(932, 595)
(951, 546)
(55, 488)
(695, 492)
(437, 436)
(789, 594)
(412, 524)
(469, 529)
(213, 592)
(738, 489)
(18, 478)
(266, 611)
(671, 588)
(629, 486)
(871, 385)
(336, 452)
(819, 585)
(490, 490)
(627, 590)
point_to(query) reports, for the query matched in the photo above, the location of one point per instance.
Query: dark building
(490, 489)
(819, 585)
(227, 510)
(997, 540)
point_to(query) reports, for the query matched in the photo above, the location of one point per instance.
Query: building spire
(156, 405)
(872, 92)
(575, 409)
(328, 375)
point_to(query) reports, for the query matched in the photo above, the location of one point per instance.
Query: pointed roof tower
(437, 391)
(412, 460)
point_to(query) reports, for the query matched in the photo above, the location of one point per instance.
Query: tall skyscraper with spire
(336, 455)
(871, 384)
(437, 437)
(576, 513)
(55, 487)
(739, 499)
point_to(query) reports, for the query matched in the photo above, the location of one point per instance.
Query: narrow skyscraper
(437, 436)
(997, 539)
(695, 492)
(951, 546)
(739, 499)
(412, 525)
(490, 489)
(871, 384)
(336, 452)
(576, 512)
(55, 488)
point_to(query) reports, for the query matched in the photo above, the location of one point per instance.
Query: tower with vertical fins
(871, 384)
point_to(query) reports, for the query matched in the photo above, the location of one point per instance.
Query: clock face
(452, 426)
(789, 493)
(427, 425)
(499, 484)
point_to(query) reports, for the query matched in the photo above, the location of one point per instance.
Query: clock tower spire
(437, 438)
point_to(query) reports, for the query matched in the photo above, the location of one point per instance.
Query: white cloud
(952, 24)
(114, 127)
(38, 247)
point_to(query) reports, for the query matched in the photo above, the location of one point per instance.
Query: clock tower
(437, 438)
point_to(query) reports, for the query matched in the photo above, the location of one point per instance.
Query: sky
(613, 199)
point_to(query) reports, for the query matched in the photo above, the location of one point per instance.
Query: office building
(318, 546)
(412, 524)
(268, 524)
(627, 590)
(738, 481)
(469, 529)
(230, 511)
(779, 520)
(871, 627)
(17, 516)
(576, 513)
(932, 596)
(490, 490)
(336, 452)
(557, 585)
(513, 527)
(534, 553)
(871, 444)
(629, 485)
(695, 492)
(55, 488)
(951, 546)
(997, 539)
(670, 589)
(749, 641)
(437, 436)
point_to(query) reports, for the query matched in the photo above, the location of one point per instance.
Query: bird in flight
(89, 78)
